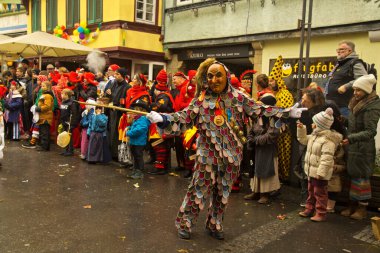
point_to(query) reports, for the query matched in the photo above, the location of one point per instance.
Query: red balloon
(63, 28)
(76, 25)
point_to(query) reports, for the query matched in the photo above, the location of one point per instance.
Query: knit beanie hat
(180, 74)
(114, 67)
(122, 72)
(162, 77)
(365, 83)
(191, 74)
(324, 119)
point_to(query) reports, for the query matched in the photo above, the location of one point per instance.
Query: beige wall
(250, 18)
(321, 46)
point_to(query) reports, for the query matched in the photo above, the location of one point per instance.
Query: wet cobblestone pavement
(50, 203)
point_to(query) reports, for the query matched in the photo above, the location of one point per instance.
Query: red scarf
(264, 91)
(134, 93)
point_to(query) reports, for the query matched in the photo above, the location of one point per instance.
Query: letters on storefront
(319, 69)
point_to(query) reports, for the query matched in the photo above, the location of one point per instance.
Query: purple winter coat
(14, 105)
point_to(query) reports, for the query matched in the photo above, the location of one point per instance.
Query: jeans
(138, 157)
(45, 136)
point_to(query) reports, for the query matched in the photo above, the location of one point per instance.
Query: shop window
(51, 14)
(184, 2)
(94, 11)
(145, 11)
(72, 12)
(36, 15)
(142, 68)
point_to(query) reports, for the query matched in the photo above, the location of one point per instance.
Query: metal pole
(301, 50)
(308, 37)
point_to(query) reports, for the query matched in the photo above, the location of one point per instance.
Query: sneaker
(41, 149)
(302, 204)
(183, 234)
(83, 157)
(28, 145)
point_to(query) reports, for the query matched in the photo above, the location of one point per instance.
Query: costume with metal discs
(219, 118)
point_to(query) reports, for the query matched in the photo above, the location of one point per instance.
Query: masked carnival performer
(219, 111)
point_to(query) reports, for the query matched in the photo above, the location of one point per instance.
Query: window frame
(94, 19)
(51, 14)
(179, 3)
(70, 21)
(154, 12)
(36, 15)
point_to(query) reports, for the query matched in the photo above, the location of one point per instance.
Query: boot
(318, 218)
(183, 234)
(264, 199)
(330, 206)
(360, 212)
(350, 209)
(306, 213)
(252, 196)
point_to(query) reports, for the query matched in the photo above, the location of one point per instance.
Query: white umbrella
(3, 37)
(43, 44)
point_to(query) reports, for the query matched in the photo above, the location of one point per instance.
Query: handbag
(124, 151)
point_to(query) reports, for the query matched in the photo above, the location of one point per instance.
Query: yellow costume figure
(284, 99)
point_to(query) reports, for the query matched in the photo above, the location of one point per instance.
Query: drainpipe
(300, 64)
(308, 37)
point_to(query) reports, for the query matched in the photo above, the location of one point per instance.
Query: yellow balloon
(75, 32)
(10, 63)
(60, 32)
(83, 24)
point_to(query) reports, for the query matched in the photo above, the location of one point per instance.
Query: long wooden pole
(112, 107)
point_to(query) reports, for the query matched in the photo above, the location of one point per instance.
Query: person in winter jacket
(45, 107)
(85, 123)
(138, 136)
(319, 161)
(362, 126)
(13, 105)
(69, 117)
(98, 150)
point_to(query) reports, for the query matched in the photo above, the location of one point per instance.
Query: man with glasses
(339, 85)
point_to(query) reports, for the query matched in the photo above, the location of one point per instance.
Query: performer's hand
(296, 112)
(154, 117)
(342, 89)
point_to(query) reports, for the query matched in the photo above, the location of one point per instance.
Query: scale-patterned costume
(284, 100)
(219, 150)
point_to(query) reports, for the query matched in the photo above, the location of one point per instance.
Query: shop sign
(237, 51)
(319, 69)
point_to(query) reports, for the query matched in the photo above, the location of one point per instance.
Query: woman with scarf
(362, 126)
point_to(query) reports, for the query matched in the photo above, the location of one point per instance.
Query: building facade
(130, 30)
(248, 34)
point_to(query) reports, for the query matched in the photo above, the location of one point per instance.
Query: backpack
(370, 68)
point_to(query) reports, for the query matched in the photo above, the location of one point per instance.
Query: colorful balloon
(63, 28)
(80, 29)
(82, 36)
(87, 31)
(75, 32)
(76, 25)
(83, 24)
